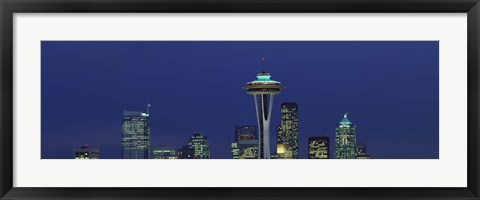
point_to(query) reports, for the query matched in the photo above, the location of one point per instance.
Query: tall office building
(318, 147)
(135, 135)
(199, 145)
(85, 152)
(362, 152)
(263, 90)
(164, 152)
(287, 131)
(345, 139)
(246, 132)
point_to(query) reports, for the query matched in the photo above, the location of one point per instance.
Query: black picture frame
(9, 7)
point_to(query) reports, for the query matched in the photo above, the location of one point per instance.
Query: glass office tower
(287, 131)
(199, 145)
(135, 135)
(345, 139)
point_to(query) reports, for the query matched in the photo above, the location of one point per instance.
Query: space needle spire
(263, 90)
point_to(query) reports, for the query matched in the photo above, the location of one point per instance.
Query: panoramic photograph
(239, 100)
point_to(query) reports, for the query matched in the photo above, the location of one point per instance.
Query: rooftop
(264, 77)
(345, 120)
(127, 113)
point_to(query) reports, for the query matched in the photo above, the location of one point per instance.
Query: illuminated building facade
(345, 139)
(199, 145)
(246, 142)
(284, 151)
(318, 147)
(247, 132)
(362, 152)
(164, 152)
(85, 152)
(245, 149)
(235, 151)
(135, 135)
(263, 90)
(249, 152)
(287, 131)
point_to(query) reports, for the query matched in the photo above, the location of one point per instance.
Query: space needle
(263, 90)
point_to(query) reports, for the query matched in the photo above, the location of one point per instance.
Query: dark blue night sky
(390, 90)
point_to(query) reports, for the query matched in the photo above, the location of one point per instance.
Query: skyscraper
(263, 90)
(287, 131)
(85, 152)
(164, 152)
(199, 145)
(135, 135)
(246, 132)
(318, 147)
(345, 139)
(362, 152)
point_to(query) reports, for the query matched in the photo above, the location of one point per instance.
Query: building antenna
(263, 64)
(148, 108)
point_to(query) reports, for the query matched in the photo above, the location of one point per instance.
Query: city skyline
(136, 144)
(114, 85)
